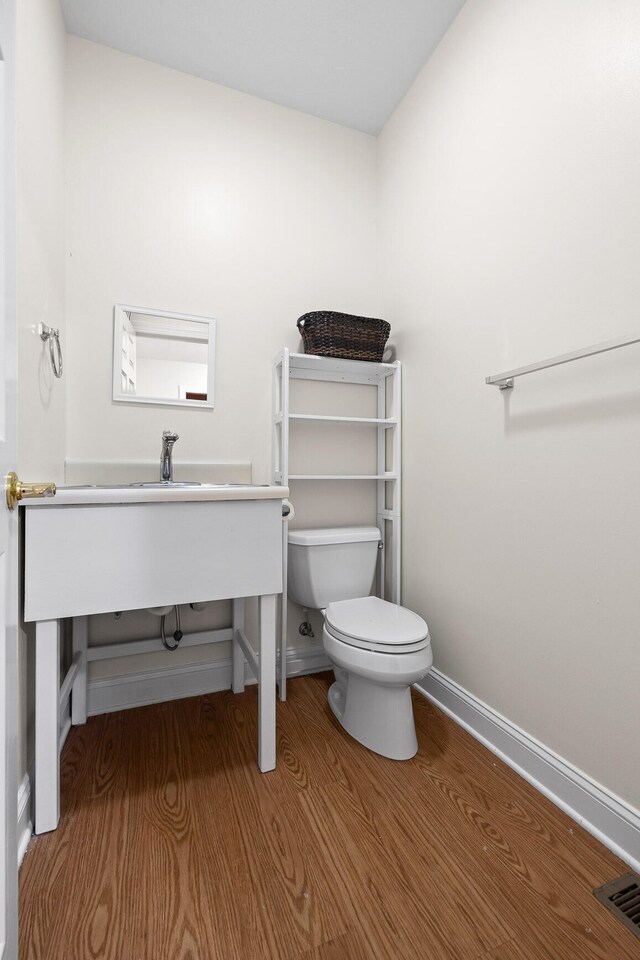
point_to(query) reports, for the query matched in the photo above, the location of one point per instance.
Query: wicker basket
(330, 334)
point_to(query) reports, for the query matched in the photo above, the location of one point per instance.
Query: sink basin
(155, 492)
(167, 484)
(170, 484)
(151, 483)
(160, 485)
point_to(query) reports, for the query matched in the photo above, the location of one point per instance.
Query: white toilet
(378, 649)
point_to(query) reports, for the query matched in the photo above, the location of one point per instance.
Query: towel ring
(55, 350)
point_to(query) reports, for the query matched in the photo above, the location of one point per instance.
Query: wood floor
(172, 845)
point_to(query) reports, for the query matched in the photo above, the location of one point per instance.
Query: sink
(167, 485)
(155, 491)
(160, 485)
(170, 484)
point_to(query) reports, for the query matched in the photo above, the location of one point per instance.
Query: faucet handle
(169, 435)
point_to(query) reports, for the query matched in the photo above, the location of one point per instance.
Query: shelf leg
(282, 671)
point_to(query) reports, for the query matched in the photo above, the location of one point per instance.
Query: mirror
(162, 357)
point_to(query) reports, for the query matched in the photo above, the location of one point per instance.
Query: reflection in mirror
(162, 357)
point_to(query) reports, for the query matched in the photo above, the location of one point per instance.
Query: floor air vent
(622, 897)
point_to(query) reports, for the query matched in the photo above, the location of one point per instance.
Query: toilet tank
(331, 563)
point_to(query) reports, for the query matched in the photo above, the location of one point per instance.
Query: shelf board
(342, 476)
(371, 421)
(308, 366)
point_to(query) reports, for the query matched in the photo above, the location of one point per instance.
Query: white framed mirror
(163, 357)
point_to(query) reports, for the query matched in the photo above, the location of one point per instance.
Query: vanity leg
(267, 685)
(47, 769)
(80, 629)
(237, 655)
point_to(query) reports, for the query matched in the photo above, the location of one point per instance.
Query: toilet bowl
(378, 649)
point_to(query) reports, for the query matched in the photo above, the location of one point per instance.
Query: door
(8, 521)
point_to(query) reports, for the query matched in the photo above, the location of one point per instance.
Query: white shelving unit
(386, 377)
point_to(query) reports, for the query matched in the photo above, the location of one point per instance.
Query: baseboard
(605, 816)
(25, 827)
(107, 694)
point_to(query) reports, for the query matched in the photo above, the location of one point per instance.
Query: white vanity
(102, 549)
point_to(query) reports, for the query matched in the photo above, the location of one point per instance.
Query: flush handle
(16, 490)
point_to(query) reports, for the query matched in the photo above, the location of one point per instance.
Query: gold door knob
(16, 490)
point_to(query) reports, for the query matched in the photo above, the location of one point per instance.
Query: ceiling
(349, 61)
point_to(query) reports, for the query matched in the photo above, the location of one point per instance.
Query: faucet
(166, 457)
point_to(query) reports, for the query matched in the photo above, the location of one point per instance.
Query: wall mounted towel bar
(505, 380)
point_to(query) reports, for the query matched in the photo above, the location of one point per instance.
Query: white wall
(188, 196)
(510, 227)
(40, 267)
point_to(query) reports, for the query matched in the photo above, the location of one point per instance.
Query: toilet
(378, 649)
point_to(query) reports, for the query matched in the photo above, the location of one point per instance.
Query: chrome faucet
(166, 457)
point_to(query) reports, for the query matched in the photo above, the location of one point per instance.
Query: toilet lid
(370, 621)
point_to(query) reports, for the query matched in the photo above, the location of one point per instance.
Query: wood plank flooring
(172, 846)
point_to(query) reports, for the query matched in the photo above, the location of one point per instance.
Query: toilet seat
(374, 624)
